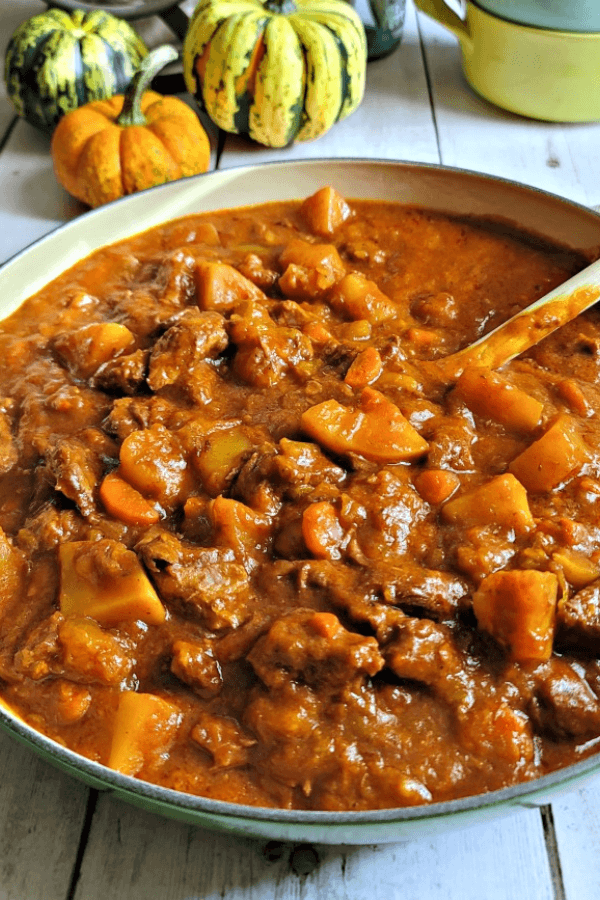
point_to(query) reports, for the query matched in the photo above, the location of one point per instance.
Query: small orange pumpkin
(109, 148)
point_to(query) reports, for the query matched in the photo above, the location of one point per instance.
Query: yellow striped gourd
(278, 71)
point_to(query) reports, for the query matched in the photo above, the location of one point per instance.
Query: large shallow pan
(432, 187)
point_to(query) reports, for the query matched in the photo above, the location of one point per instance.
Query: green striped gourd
(56, 62)
(278, 71)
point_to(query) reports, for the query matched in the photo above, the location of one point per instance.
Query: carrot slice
(366, 368)
(126, 504)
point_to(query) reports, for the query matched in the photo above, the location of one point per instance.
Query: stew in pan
(252, 548)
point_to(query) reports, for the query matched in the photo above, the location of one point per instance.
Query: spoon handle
(529, 326)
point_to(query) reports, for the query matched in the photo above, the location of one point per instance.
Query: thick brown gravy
(251, 550)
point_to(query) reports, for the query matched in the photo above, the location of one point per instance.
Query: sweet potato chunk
(355, 297)
(144, 730)
(491, 396)
(105, 581)
(219, 286)
(309, 269)
(518, 608)
(238, 527)
(501, 501)
(376, 430)
(93, 653)
(436, 485)
(557, 455)
(325, 211)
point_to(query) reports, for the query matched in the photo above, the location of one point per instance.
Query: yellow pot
(537, 72)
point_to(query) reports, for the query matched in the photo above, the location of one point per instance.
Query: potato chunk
(325, 211)
(493, 397)
(518, 608)
(557, 455)
(355, 297)
(501, 501)
(578, 569)
(436, 485)
(144, 730)
(376, 430)
(219, 286)
(220, 456)
(152, 461)
(105, 581)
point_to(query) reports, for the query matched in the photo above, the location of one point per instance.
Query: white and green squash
(56, 62)
(279, 71)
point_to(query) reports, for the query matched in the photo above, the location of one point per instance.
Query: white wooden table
(61, 841)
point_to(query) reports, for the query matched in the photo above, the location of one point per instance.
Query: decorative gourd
(113, 147)
(277, 71)
(56, 62)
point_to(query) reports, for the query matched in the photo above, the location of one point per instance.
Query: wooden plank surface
(41, 816)
(132, 855)
(577, 825)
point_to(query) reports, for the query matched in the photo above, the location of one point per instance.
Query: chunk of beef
(77, 648)
(191, 336)
(166, 286)
(40, 656)
(49, 528)
(175, 279)
(303, 465)
(266, 352)
(9, 454)
(55, 406)
(203, 580)
(224, 739)
(92, 654)
(128, 414)
(254, 269)
(252, 484)
(564, 704)
(425, 651)
(578, 618)
(435, 594)
(78, 463)
(124, 375)
(450, 444)
(313, 648)
(194, 663)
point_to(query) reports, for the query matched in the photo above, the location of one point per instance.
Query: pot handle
(442, 13)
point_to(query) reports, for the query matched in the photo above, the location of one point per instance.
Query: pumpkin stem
(283, 7)
(157, 59)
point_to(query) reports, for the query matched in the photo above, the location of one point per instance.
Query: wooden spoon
(527, 327)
